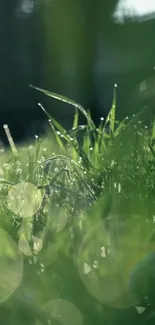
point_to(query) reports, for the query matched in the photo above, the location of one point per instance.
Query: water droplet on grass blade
(87, 268)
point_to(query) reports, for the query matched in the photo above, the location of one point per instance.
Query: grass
(64, 198)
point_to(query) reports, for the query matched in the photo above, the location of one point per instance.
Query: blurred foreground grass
(77, 215)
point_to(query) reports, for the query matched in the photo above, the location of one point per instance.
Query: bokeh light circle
(98, 272)
(24, 199)
(59, 222)
(25, 248)
(64, 311)
(11, 266)
(50, 254)
(106, 260)
(24, 245)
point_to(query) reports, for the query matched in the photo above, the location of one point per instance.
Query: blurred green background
(77, 49)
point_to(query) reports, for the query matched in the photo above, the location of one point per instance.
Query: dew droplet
(87, 268)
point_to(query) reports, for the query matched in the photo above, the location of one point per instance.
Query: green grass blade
(74, 134)
(63, 99)
(91, 124)
(79, 128)
(153, 130)
(60, 143)
(120, 127)
(112, 114)
(76, 119)
(87, 143)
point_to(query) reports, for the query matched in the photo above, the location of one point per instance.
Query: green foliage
(96, 190)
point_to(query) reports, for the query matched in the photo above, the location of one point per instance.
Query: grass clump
(73, 193)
